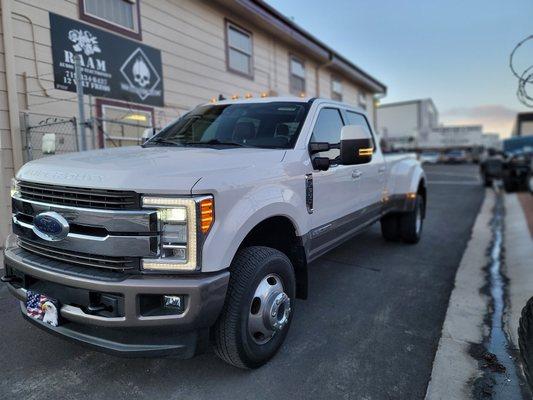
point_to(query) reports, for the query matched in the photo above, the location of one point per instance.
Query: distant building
(454, 137)
(491, 141)
(405, 124)
(523, 124)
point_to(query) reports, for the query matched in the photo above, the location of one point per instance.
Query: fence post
(27, 136)
(81, 108)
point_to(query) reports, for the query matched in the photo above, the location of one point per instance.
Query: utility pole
(81, 109)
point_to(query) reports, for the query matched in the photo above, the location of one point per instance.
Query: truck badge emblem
(50, 226)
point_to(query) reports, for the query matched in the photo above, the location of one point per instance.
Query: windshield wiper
(163, 141)
(214, 142)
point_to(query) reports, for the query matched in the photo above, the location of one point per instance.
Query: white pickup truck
(204, 233)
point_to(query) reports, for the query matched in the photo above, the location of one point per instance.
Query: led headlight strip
(174, 210)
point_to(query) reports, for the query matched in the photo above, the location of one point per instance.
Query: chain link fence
(48, 136)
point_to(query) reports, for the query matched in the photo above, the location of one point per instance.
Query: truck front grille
(80, 197)
(81, 259)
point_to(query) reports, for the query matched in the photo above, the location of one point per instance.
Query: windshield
(518, 144)
(266, 125)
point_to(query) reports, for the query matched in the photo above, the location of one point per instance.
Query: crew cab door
(335, 190)
(372, 176)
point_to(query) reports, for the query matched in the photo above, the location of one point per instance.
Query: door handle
(382, 170)
(356, 174)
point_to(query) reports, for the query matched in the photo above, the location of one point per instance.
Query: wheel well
(279, 233)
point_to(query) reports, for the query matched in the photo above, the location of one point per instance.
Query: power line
(524, 78)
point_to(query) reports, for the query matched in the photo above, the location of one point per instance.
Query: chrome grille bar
(80, 197)
(113, 263)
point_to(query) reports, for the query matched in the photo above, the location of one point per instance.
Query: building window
(296, 76)
(122, 124)
(336, 89)
(361, 100)
(122, 16)
(239, 50)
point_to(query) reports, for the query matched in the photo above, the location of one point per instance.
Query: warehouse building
(142, 64)
(523, 125)
(407, 123)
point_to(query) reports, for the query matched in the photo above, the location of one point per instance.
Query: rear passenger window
(328, 129)
(359, 120)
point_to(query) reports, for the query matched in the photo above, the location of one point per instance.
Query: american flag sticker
(43, 308)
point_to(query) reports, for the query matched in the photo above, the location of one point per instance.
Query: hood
(164, 170)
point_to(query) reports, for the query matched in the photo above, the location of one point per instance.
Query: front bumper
(131, 333)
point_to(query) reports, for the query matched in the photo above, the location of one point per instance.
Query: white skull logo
(141, 73)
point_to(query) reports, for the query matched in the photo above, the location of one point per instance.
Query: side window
(328, 129)
(358, 119)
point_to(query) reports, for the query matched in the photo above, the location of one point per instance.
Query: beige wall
(190, 35)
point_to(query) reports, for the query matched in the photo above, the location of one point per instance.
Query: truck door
(372, 176)
(334, 190)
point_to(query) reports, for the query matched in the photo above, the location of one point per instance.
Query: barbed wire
(525, 78)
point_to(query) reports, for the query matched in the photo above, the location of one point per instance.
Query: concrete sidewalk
(453, 367)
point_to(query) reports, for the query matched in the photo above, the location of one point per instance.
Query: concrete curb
(453, 367)
(518, 264)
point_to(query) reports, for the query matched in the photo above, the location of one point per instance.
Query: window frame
(335, 78)
(345, 112)
(230, 24)
(110, 25)
(102, 103)
(301, 61)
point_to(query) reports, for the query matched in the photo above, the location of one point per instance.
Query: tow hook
(10, 279)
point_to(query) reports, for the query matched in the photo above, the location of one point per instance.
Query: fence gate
(53, 135)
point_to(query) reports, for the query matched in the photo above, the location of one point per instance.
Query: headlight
(15, 188)
(182, 222)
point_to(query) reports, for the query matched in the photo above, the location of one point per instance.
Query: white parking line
(466, 183)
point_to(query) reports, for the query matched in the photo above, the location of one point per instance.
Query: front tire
(257, 312)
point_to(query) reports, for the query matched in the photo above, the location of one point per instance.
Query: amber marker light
(411, 196)
(366, 152)
(207, 215)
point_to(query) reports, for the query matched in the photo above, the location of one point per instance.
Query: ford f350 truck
(204, 233)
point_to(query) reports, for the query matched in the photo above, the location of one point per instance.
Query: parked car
(429, 157)
(455, 156)
(206, 230)
(491, 167)
(517, 163)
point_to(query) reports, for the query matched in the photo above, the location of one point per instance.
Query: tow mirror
(320, 163)
(356, 145)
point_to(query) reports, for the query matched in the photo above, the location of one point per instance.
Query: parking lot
(369, 329)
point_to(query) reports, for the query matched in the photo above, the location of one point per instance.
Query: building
(405, 124)
(142, 64)
(523, 125)
(491, 141)
(455, 137)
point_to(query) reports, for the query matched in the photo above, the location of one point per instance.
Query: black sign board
(111, 65)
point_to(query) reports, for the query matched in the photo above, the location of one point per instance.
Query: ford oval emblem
(50, 226)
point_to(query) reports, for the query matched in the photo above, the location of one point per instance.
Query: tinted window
(359, 120)
(270, 125)
(328, 129)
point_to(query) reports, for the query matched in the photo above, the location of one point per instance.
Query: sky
(455, 52)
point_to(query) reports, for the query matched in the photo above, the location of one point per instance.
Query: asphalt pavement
(369, 329)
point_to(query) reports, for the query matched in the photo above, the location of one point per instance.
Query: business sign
(111, 65)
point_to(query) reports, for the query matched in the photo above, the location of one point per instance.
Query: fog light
(174, 302)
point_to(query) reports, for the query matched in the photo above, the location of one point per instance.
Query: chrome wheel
(269, 310)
